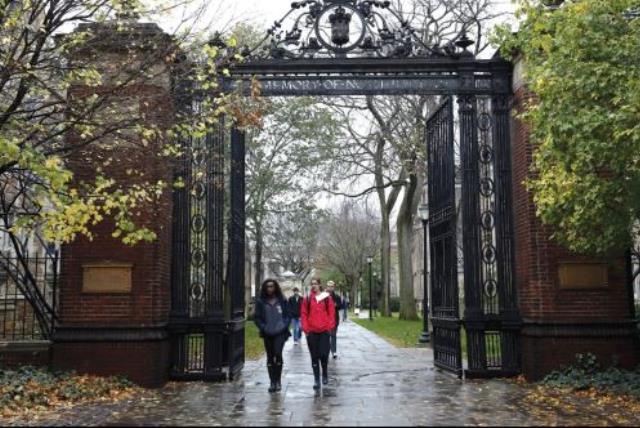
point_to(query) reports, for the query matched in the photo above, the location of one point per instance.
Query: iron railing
(28, 295)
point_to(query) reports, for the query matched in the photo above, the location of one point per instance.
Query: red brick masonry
(558, 323)
(122, 333)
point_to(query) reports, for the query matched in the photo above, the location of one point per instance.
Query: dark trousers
(273, 346)
(333, 338)
(319, 344)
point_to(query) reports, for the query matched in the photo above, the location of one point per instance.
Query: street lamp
(423, 210)
(370, 260)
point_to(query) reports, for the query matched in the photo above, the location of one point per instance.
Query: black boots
(325, 375)
(278, 376)
(275, 374)
(316, 376)
(272, 376)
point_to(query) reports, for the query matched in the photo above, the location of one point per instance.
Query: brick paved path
(371, 383)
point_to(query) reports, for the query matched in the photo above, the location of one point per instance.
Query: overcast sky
(267, 11)
(221, 14)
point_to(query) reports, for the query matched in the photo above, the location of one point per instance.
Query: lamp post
(375, 282)
(370, 260)
(424, 216)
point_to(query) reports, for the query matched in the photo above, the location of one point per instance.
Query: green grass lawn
(253, 345)
(400, 333)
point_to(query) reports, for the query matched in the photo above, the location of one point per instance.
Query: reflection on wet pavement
(371, 383)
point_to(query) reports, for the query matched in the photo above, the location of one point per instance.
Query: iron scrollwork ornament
(347, 28)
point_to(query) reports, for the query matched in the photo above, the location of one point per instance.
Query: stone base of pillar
(140, 354)
(547, 346)
(32, 353)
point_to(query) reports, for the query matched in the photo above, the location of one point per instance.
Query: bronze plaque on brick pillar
(583, 275)
(106, 277)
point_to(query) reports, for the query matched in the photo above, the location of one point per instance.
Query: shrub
(587, 373)
(29, 387)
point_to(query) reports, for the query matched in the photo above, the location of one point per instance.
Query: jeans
(297, 331)
(333, 334)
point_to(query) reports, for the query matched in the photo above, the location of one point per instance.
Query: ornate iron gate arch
(362, 47)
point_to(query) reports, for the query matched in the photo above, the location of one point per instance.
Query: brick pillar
(110, 330)
(564, 309)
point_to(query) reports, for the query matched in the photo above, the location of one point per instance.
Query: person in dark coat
(294, 303)
(273, 319)
(337, 300)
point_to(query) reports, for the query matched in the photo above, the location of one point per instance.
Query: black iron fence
(28, 295)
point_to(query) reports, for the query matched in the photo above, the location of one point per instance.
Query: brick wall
(144, 363)
(558, 323)
(122, 333)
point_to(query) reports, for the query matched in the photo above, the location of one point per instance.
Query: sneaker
(335, 356)
(325, 380)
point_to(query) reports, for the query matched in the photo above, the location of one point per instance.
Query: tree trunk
(385, 274)
(386, 207)
(405, 231)
(258, 272)
(353, 290)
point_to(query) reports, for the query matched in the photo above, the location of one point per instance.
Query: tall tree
(346, 239)
(45, 120)
(394, 150)
(365, 151)
(581, 61)
(292, 238)
(283, 161)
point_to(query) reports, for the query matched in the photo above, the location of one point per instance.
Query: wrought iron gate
(207, 306)
(491, 318)
(442, 232)
(373, 59)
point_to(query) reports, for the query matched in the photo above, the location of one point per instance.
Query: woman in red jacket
(318, 319)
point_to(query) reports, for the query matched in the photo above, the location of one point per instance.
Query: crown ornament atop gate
(349, 29)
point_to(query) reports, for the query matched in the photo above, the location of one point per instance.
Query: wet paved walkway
(371, 383)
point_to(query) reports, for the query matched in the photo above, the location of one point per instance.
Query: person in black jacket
(331, 288)
(272, 318)
(294, 311)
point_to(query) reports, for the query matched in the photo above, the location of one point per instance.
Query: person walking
(294, 303)
(333, 336)
(345, 307)
(272, 319)
(318, 316)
